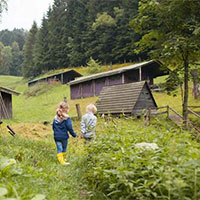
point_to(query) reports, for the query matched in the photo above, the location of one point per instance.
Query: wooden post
(107, 81)
(167, 111)
(62, 78)
(65, 99)
(140, 74)
(78, 110)
(149, 114)
(122, 78)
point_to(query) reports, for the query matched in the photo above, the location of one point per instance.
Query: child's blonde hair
(62, 110)
(91, 108)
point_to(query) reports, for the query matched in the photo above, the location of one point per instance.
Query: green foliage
(168, 29)
(111, 166)
(12, 56)
(42, 58)
(93, 66)
(11, 59)
(170, 32)
(17, 59)
(118, 170)
(29, 170)
(16, 35)
(173, 81)
(28, 66)
(72, 31)
(5, 66)
(38, 89)
(103, 20)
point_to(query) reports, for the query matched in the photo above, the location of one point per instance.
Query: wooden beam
(175, 112)
(140, 74)
(194, 113)
(123, 81)
(62, 78)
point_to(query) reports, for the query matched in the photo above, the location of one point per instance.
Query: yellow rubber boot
(64, 158)
(60, 159)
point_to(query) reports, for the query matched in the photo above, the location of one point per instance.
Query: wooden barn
(6, 102)
(129, 99)
(92, 85)
(62, 77)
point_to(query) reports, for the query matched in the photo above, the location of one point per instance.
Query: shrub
(118, 170)
(93, 66)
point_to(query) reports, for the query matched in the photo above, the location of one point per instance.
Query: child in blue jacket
(62, 124)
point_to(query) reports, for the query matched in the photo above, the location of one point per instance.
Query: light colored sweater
(88, 124)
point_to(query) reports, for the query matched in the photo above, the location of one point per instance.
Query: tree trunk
(185, 99)
(194, 74)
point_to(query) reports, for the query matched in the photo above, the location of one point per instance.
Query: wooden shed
(130, 99)
(6, 102)
(92, 85)
(62, 77)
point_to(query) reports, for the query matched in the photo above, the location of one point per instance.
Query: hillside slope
(102, 170)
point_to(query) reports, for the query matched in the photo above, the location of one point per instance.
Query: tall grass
(119, 170)
(37, 171)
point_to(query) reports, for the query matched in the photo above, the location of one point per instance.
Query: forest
(11, 51)
(74, 31)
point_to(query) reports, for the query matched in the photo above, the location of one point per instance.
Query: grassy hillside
(109, 168)
(35, 173)
(38, 103)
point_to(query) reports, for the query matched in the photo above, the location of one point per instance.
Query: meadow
(111, 167)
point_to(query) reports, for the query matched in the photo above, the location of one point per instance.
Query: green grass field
(37, 175)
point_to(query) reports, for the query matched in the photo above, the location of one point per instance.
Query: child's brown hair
(62, 110)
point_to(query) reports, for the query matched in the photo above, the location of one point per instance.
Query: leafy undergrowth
(110, 167)
(119, 170)
(29, 169)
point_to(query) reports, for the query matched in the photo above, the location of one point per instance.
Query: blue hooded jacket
(61, 129)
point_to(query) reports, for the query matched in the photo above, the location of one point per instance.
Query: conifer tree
(56, 31)
(41, 52)
(28, 66)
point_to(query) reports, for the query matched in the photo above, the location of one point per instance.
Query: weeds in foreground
(119, 170)
(29, 170)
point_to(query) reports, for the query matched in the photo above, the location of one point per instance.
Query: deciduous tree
(171, 32)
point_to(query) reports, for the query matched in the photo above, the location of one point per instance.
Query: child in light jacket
(88, 122)
(62, 124)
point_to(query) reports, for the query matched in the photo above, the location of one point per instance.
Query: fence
(175, 117)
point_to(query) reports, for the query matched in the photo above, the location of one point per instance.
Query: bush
(93, 66)
(118, 170)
